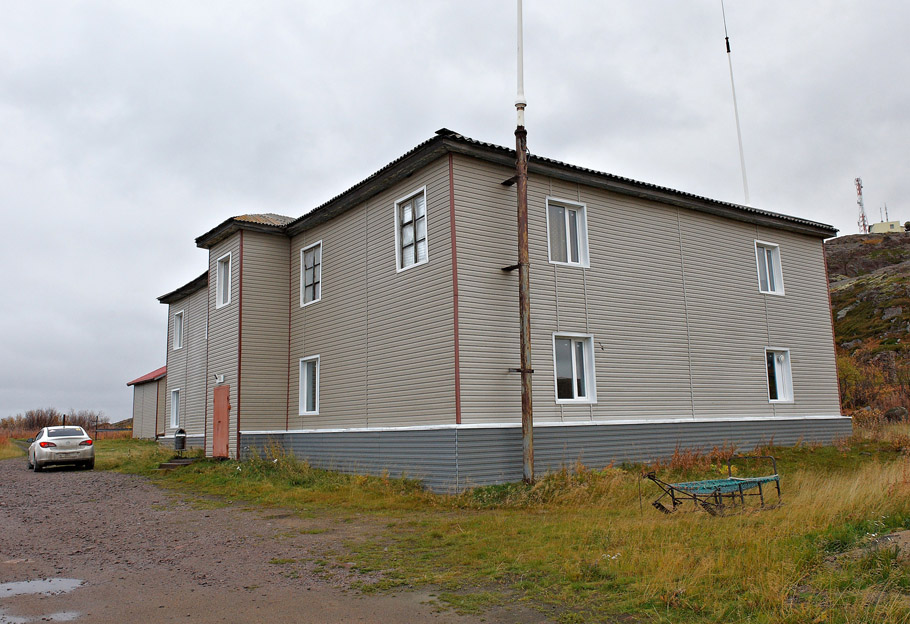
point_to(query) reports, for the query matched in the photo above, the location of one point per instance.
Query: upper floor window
(311, 274)
(223, 281)
(309, 385)
(573, 356)
(567, 232)
(411, 229)
(178, 330)
(780, 380)
(770, 278)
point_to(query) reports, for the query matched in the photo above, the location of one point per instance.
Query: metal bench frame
(713, 494)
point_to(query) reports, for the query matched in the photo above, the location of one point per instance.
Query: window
(411, 229)
(223, 281)
(178, 330)
(780, 382)
(573, 356)
(309, 385)
(770, 279)
(567, 232)
(175, 408)
(311, 274)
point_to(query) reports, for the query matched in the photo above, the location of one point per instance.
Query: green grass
(579, 545)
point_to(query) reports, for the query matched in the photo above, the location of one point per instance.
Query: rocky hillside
(869, 281)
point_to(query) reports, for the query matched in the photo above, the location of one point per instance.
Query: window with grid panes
(311, 275)
(411, 218)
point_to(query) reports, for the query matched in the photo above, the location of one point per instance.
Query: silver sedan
(59, 446)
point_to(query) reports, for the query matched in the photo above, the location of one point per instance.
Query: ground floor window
(573, 358)
(780, 380)
(309, 385)
(175, 408)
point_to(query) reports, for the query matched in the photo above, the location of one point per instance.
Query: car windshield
(68, 432)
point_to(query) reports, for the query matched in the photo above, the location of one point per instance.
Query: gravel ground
(133, 552)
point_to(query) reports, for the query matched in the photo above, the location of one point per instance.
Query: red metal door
(220, 421)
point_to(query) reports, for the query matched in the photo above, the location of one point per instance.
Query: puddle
(45, 587)
(48, 587)
(63, 616)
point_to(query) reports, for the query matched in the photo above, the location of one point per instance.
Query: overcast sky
(129, 128)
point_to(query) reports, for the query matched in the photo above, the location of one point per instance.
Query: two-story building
(379, 330)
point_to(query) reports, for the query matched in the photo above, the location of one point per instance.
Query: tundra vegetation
(584, 545)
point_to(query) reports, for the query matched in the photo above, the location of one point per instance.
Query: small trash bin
(180, 440)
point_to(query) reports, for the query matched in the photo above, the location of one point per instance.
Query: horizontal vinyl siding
(145, 409)
(264, 376)
(801, 321)
(455, 458)
(187, 365)
(678, 323)
(727, 321)
(488, 330)
(224, 332)
(385, 338)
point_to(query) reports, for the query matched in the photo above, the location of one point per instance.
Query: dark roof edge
(186, 290)
(231, 225)
(391, 174)
(447, 141)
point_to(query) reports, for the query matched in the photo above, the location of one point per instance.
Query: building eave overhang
(230, 226)
(186, 290)
(447, 141)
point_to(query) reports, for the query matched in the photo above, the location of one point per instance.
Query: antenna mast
(739, 136)
(862, 222)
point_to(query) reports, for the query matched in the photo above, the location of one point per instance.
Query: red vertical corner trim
(454, 290)
(208, 315)
(287, 399)
(239, 338)
(833, 338)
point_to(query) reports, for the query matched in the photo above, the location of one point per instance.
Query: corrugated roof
(449, 140)
(153, 376)
(268, 218)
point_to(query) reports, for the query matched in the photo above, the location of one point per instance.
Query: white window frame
(179, 329)
(590, 381)
(584, 259)
(421, 191)
(303, 273)
(777, 272)
(175, 408)
(303, 396)
(220, 299)
(783, 373)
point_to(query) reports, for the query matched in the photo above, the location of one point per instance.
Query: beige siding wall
(798, 322)
(224, 334)
(145, 409)
(187, 365)
(264, 341)
(679, 325)
(384, 338)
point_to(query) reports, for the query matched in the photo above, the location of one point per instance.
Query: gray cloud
(131, 128)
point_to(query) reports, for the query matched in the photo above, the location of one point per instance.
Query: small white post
(520, 102)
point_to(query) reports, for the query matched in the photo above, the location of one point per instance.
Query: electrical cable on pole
(739, 136)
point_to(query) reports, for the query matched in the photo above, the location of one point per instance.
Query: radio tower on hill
(862, 222)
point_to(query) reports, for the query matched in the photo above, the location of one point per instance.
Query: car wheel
(89, 465)
(37, 467)
(29, 463)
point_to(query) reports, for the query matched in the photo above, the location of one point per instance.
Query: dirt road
(103, 547)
